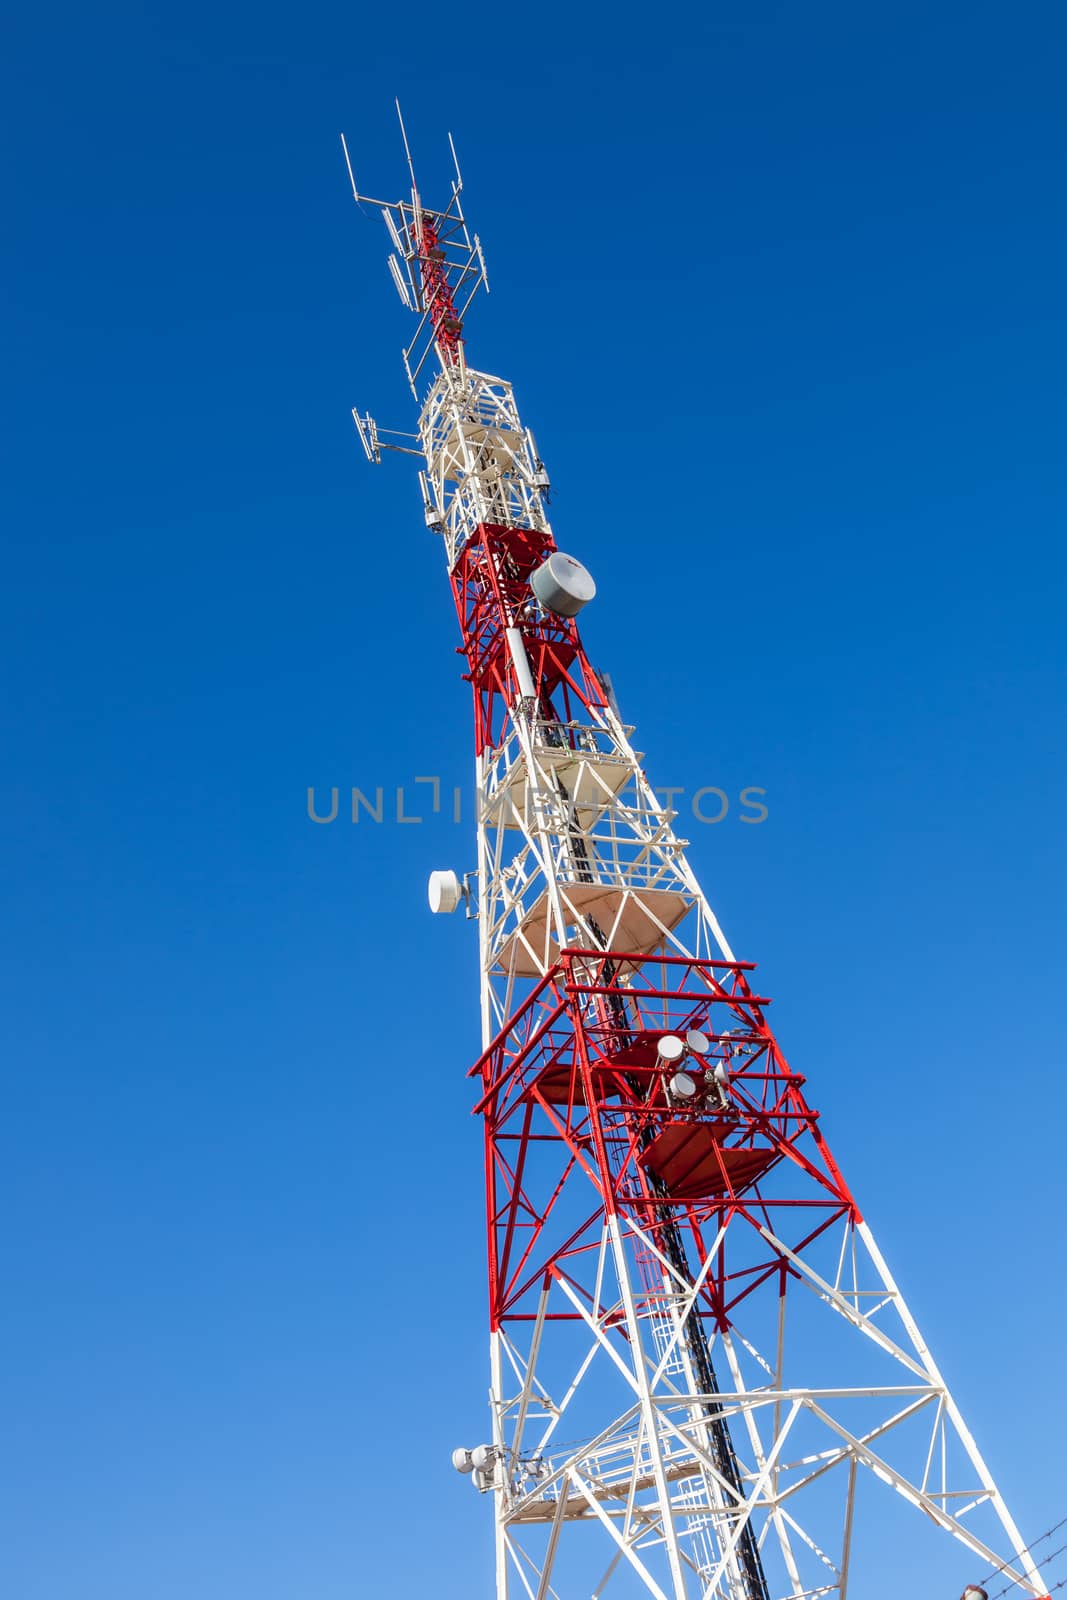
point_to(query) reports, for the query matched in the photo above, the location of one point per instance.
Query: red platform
(691, 1161)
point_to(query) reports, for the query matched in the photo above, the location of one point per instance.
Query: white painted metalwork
(575, 850)
(605, 1426)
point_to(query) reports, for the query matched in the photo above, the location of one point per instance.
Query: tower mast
(697, 1352)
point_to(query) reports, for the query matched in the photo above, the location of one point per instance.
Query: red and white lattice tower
(697, 1353)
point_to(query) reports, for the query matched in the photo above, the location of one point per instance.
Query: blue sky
(781, 290)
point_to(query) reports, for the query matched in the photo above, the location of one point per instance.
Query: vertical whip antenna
(455, 163)
(351, 174)
(407, 152)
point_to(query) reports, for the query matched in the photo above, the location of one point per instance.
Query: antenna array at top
(437, 265)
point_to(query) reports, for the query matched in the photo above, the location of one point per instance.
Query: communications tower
(699, 1359)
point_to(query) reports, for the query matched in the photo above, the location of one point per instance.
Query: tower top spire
(437, 264)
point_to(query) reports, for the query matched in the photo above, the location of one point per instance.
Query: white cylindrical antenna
(393, 233)
(521, 662)
(401, 286)
(670, 1049)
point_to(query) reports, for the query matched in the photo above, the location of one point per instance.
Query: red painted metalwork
(579, 1123)
(578, 1116)
(491, 588)
(695, 1163)
(437, 291)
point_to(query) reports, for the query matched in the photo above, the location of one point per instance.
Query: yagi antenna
(351, 174)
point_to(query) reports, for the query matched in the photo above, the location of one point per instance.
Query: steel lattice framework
(698, 1353)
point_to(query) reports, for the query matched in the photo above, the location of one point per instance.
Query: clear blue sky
(782, 292)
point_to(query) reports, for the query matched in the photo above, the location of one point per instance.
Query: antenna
(439, 266)
(351, 174)
(407, 149)
(401, 286)
(401, 250)
(455, 163)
